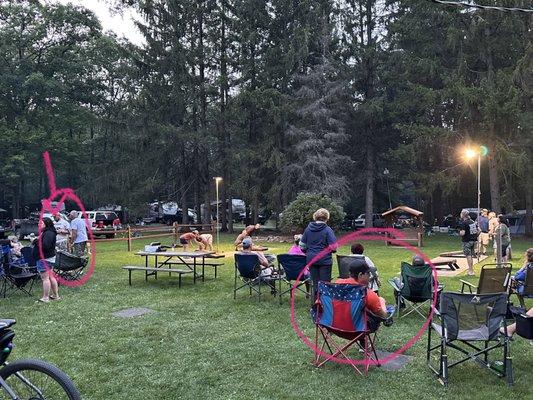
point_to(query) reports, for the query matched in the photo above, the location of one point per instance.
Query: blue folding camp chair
(248, 269)
(290, 266)
(340, 311)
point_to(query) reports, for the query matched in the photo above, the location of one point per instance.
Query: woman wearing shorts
(47, 242)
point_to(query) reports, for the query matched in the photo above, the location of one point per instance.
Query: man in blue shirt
(78, 234)
(483, 225)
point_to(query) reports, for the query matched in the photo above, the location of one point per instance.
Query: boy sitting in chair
(360, 275)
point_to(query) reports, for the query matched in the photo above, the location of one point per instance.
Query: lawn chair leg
(235, 285)
(179, 281)
(279, 280)
(429, 342)
(444, 363)
(129, 277)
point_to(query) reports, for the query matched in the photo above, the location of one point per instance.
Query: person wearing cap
(266, 268)
(78, 234)
(295, 249)
(483, 224)
(468, 231)
(187, 238)
(317, 237)
(416, 262)
(360, 275)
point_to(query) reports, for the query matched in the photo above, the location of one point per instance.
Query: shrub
(299, 213)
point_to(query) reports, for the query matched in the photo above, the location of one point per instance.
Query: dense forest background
(348, 98)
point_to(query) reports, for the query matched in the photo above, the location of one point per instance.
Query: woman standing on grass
(316, 237)
(44, 265)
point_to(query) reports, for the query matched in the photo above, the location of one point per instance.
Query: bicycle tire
(36, 368)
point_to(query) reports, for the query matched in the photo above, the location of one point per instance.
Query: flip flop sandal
(53, 298)
(43, 301)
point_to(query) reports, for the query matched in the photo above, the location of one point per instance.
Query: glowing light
(470, 153)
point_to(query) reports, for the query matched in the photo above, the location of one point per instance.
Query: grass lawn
(199, 343)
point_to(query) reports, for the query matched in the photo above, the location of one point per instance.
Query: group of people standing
(477, 235)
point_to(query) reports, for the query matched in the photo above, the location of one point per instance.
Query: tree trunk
(370, 173)
(494, 184)
(529, 205)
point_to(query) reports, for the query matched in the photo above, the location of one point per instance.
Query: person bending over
(205, 241)
(246, 232)
(187, 238)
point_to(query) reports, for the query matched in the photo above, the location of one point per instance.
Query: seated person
(511, 329)
(15, 246)
(246, 232)
(360, 275)
(266, 267)
(417, 262)
(295, 249)
(521, 274)
(205, 241)
(187, 238)
(357, 251)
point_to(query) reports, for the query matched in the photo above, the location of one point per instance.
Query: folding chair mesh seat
(248, 269)
(492, 279)
(69, 266)
(16, 274)
(415, 288)
(340, 311)
(292, 265)
(470, 324)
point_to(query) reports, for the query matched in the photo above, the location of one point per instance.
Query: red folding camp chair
(340, 311)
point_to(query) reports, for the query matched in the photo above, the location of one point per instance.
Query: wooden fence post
(129, 237)
(175, 232)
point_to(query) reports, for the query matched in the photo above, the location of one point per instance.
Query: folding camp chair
(469, 324)
(414, 289)
(340, 311)
(343, 264)
(69, 266)
(248, 269)
(27, 255)
(290, 266)
(523, 290)
(492, 279)
(15, 274)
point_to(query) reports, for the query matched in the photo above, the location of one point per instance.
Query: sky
(122, 25)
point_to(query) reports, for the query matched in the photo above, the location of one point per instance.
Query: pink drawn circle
(62, 195)
(363, 234)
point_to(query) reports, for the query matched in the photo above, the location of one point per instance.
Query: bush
(299, 213)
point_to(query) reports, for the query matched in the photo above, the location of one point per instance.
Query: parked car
(104, 223)
(377, 221)
(24, 228)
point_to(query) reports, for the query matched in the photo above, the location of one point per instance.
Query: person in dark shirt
(483, 225)
(468, 231)
(45, 263)
(316, 237)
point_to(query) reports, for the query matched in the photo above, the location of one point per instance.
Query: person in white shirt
(373, 283)
(78, 234)
(63, 231)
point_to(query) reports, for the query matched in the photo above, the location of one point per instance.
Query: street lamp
(217, 180)
(470, 153)
(386, 173)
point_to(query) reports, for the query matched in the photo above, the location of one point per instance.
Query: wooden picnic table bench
(214, 265)
(149, 271)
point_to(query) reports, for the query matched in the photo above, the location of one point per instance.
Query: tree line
(276, 97)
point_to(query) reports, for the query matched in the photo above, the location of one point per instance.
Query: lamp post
(471, 153)
(386, 173)
(217, 180)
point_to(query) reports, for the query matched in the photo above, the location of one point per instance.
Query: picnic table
(191, 260)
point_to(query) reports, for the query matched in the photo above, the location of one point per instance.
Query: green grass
(201, 344)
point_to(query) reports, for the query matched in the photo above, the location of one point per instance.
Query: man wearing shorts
(468, 231)
(187, 238)
(483, 225)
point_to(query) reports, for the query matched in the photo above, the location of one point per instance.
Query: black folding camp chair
(290, 266)
(344, 262)
(414, 289)
(340, 312)
(248, 269)
(16, 274)
(492, 279)
(69, 266)
(470, 324)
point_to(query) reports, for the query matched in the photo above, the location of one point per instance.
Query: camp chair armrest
(392, 282)
(466, 283)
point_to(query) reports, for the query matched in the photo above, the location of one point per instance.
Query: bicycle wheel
(37, 380)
